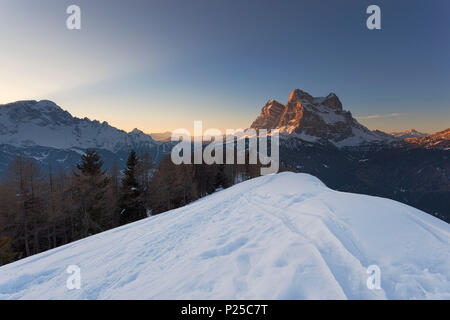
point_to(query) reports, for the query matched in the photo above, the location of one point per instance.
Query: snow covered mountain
(283, 236)
(316, 119)
(319, 137)
(410, 133)
(438, 140)
(51, 136)
(43, 123)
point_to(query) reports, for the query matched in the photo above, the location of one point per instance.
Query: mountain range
(43, 123)
(318, 136)
(45, 132)
(25, 124)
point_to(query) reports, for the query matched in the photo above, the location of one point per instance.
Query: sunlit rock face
(439, 140)
(270, 116)
(315, 119)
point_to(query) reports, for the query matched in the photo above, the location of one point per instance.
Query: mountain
(43, 123)
(320, 138)
(43, 131)
(410, 133)
(439, 140)
(316, 119)
(343, 154)
(283, 236)
(161, 136)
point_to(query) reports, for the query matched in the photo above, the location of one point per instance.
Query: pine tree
(131, 205)
(90, 192)
(91, 164)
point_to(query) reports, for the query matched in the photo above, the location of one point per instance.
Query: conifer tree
(91, 188)
(131, 206)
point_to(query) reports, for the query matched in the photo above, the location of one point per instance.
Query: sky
(159, 65)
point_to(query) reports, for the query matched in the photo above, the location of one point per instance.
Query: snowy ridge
(43, 123)
(283, 236)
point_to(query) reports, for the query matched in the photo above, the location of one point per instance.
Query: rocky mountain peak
(41, 113)
(332, 101)
(315, 119)
(270, 115)
(298, 96)
(136, 131)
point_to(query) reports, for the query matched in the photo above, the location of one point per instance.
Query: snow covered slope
(283, 236)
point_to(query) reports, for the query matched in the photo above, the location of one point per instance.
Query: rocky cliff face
(315, 119)
(270, 116)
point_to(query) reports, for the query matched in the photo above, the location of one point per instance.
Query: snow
(410, 133)
(302, 136)
(360, 135)
(282, 236)
(43, 123)
(329, 115)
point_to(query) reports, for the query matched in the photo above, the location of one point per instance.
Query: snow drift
(283, 236)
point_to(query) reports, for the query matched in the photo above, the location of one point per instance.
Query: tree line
(41, 210)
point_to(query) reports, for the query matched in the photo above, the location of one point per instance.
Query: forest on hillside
(41, 210)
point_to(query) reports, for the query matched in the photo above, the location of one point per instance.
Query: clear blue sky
(161, 64)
